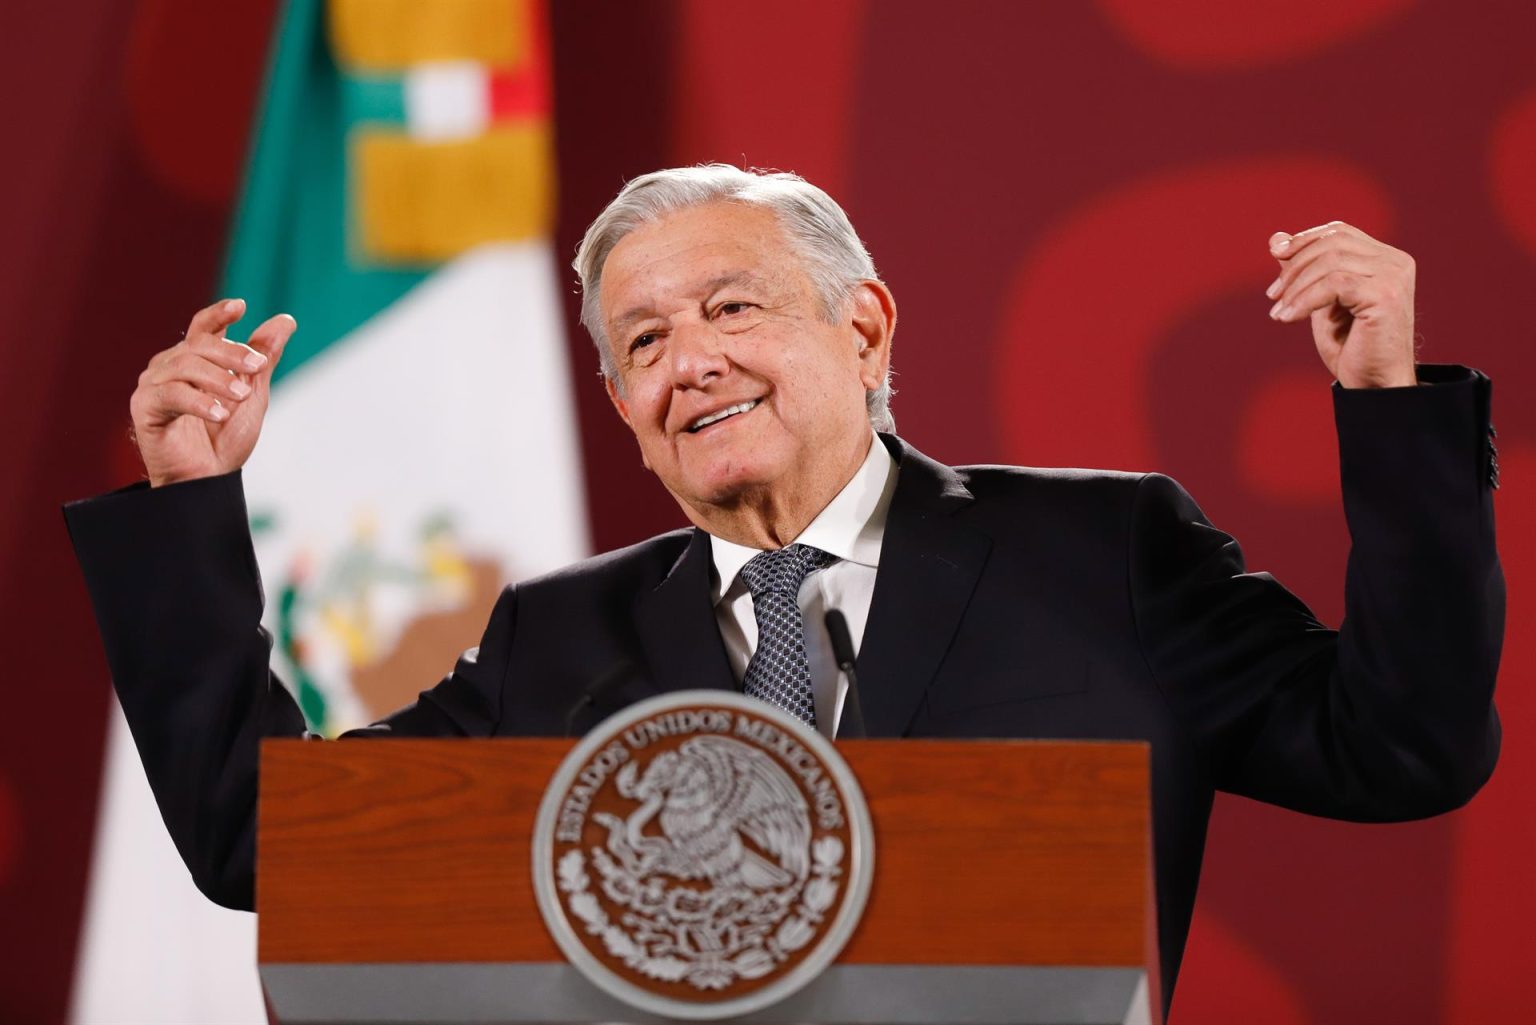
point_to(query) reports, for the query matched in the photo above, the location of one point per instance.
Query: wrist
(1400, 378)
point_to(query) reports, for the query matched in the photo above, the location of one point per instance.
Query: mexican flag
(420, 449)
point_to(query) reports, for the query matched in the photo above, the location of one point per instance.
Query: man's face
(736, 384)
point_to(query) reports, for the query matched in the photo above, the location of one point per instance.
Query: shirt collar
(851, 527)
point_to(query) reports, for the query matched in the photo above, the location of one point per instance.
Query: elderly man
(746, 341)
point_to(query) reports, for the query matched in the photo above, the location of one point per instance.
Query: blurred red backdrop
(1070, 202)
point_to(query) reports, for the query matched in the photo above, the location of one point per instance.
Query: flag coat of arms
(420, 450)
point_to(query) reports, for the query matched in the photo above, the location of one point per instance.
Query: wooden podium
(1013, 883)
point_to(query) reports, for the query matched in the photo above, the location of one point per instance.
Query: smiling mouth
(729, 411)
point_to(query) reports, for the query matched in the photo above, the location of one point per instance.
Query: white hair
(831, 252)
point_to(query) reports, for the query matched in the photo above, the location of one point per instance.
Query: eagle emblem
(703, 855)
(727, 815)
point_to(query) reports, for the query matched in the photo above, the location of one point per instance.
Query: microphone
(852, 723)
(615, 674)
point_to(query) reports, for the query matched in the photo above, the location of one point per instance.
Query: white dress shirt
(851, 527)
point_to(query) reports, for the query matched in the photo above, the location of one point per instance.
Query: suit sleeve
(173, 580)
(1392, 716)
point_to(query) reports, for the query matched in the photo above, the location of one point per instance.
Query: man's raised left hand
(1358, 293)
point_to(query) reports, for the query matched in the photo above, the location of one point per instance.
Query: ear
(619, 405)
(873, 317)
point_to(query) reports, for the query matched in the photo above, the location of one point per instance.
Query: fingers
(189, 367)
(1324, 290)
(215, 320)
(1333, 251)
(221, 352)
(1329, 270)
(206, 374)
(225, 367)
(1316, 264)
(185, 384)
(259, 354)
(1284, 246)
(158, 404)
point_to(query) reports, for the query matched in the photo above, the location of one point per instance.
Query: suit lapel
(929, 566)
(678, 629)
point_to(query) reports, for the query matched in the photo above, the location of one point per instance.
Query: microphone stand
(852, 722)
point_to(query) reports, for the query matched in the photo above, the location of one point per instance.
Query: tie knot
(784, 570)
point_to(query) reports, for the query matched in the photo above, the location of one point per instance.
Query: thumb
(270, 339)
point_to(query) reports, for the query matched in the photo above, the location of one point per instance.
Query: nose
(698, 354)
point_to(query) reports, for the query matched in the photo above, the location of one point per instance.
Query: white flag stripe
(144, 951)
(457, 397)
(447, 100)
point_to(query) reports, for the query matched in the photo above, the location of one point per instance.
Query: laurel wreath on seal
(708, 949)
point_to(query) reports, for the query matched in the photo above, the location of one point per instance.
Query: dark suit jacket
(1010, 602)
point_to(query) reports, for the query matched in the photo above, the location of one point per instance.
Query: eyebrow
(713, 285)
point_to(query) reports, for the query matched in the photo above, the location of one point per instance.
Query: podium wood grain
(987, 852)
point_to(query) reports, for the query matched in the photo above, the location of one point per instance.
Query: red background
(1070, 201)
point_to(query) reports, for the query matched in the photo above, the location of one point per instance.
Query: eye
(731, 308)
(644, 349)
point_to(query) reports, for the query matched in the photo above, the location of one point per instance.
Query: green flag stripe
(374, 99)
(289, 250)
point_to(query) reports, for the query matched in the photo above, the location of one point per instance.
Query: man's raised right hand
(199, 405)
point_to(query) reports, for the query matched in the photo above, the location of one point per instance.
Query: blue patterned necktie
(779, 672)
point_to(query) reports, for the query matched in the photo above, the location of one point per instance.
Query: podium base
(493, 994)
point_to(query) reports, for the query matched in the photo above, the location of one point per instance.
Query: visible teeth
(705, 421)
